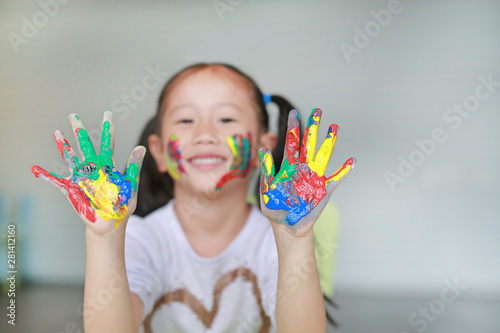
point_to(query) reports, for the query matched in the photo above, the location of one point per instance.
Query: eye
(185, 121)
(226, 120)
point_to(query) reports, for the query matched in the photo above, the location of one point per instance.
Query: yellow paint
(283, 175)
(172, 167)
(266, 198)
(323, 156)
(103, 197)
(267, 161)
(341, 173)
(312, 137)
(232, 144)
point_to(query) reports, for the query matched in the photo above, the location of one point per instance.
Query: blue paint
(281, 198)
(123, 184)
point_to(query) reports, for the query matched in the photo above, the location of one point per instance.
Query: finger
(292, 138)
(57, 181)
(339, 175)
(325, 151)
(134, 166)
(81, 136)
(108, 137)
(69, 189)
(266, 173)
(308, 147)
(266, 169)
(66, 151)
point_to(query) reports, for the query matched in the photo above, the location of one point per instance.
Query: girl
(207, 260)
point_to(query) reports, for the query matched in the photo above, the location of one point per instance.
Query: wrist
(114, 238)
(290, 242)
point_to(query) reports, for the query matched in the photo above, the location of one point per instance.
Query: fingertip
(137, 155)
(75, 121)
(140, 148)
(264, 150)
(108, 116)
(316, 112)
(352, 162)
(314, 117)
(35, 170)
(333, 130)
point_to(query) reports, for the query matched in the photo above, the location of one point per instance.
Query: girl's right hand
(100, 194)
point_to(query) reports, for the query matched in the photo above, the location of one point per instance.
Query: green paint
(132, 174)
(85, 143)
(90, 156)
(106, 140)
(286, 173)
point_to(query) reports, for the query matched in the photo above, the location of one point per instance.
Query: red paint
(74, 193)
(346, 164)
(242, 163)
(332, 130)
(292, 144)
(63, 146)
(309, 186)
(303, 148)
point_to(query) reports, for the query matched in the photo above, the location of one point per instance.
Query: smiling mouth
(206, 160)
(207, 163)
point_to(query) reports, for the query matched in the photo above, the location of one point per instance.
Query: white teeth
(207, 160)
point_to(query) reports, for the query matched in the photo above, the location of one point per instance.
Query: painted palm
(299, 192)
(95, 188)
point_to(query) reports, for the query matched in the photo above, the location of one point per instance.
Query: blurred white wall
(387, 90)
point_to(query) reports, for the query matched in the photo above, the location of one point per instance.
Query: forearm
(299, 305)
(107, 299)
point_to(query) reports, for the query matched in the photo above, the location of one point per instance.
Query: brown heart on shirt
(207, 317)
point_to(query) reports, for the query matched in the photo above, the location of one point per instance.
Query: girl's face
(209, 131)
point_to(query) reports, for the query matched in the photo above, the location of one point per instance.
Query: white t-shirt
(184, 292)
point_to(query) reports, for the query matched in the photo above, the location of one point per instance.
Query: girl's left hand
(297, 195)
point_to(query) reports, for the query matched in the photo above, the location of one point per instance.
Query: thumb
(134, 167)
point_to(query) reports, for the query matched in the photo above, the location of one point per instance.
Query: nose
(206, 133)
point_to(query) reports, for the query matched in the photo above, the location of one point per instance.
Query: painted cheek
(174, 158)
(242, 160)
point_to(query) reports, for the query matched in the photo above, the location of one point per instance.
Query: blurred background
(414, 86)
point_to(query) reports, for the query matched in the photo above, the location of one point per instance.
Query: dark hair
(156, 189)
